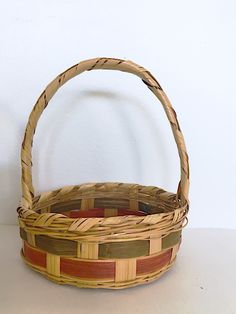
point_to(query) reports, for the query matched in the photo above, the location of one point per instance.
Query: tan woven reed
(109, 250)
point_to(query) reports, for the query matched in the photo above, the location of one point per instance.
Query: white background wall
(106, 126)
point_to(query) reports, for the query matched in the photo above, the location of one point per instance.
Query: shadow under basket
(102, 235)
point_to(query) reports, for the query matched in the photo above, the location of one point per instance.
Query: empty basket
(102, 235)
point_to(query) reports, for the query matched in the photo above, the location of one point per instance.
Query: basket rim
(28, 217)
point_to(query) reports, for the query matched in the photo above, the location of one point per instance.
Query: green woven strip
(126, 249)
(171, 240)
(52, 245)
(66, 206)
(111, 203)
(110, 250)
(56, 246)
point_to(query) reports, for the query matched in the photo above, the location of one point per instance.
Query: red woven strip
(95, 212)
(34, 256)
(96, 270)
(151, 264)
(84, 269)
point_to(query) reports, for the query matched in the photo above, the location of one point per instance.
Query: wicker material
(107, 235)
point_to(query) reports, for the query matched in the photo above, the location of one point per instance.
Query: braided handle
(87, 65)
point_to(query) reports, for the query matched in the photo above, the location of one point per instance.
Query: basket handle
(87, 65)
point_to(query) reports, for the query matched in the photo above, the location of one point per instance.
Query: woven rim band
(87, 65)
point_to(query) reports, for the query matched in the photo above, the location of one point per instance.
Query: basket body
(100, 235)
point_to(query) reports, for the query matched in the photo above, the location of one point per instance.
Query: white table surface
(203, 280)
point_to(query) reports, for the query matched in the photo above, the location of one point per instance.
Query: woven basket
(102, 235)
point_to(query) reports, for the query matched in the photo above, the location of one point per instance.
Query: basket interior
(115, 202)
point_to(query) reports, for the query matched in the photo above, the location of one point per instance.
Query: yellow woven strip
(155, 245)
(46, 209)
(87, 250)
(174, 251)
(30, 238)
(125, 270)
(53, 264)
(78, 249)
(133, 204)
(21, 223)
(110, 212)
(133, 198)
(87, 203)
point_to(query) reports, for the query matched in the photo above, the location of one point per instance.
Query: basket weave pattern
(107, 235)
